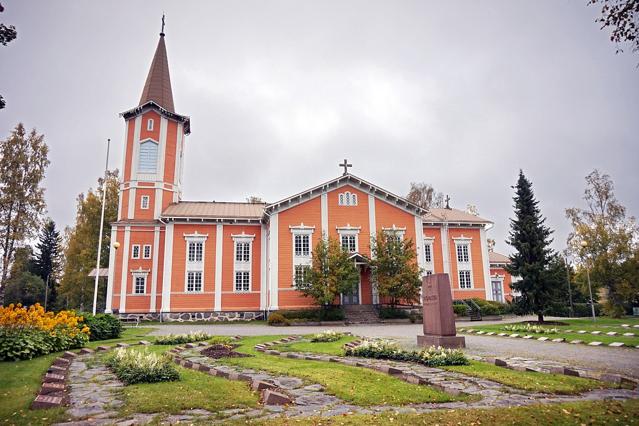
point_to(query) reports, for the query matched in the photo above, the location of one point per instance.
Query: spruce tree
(531, 239)
(47, 259)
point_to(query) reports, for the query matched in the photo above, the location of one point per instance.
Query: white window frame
(194, 266)
(139, 273)
(349, 231)
(429, 265)
(149, 124)
(394, 230)
(146, 255)
(242, 266)
(135, 251)
(295, 269)
(464, 265)
(347, 198)
(301, 259)
(145, 201)
(147, 173)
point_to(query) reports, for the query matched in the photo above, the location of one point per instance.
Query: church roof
(158, 83)
(346, 179)
(495, 257)
(437, 215)
(214, 210)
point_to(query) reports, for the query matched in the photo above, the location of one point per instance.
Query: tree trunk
(540, 318)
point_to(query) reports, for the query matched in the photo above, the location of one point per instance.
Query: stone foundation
(194, 316)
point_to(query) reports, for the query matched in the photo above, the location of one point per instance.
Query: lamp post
(569, 286)
(584, 245)
(97, 266)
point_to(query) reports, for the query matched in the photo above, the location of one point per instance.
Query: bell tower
(154, 146)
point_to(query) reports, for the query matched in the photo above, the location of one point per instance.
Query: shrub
(327, 336)
(178, 339)
(277, 319)
(386, 349)
(491, 307)
(27, 333)
(527, 328)
(461, 310)
(103, 326)
(134, 366)
(329, 313)
(392, 313)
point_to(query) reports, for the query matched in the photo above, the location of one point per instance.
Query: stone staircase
(360, 314)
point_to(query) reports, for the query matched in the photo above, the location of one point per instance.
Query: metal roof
(214, 210)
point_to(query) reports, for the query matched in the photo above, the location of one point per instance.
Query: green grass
(20, 381)
(359, 386)
(577, 413)
(529, 380)
(602, 324)
(329, 348)
(193, 390)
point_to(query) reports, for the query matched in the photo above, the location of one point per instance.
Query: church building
(239, 260)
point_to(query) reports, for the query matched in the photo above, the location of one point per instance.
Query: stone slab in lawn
(270, 397)
(582, 332)
(595, 332)
(46, 401)
(629, 334)
(48, 388)
(611, 333)
(595, 344)
(69, 355)
(616, 344)
(502, 334)
(565, 371)
(86, 351)
(576, 342)
(559, 340)
(542, 339)
(53, 378)
(61, 362)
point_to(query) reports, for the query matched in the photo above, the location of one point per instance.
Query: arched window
(354, 199)
(348, 198)
(341, 199)
(148, 159)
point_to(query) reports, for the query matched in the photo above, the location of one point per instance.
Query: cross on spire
(162, 33)
(447, 202)
(346, 165)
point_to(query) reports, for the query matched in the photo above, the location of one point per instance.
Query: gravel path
(614, 360)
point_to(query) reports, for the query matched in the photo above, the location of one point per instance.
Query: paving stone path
(95, 393)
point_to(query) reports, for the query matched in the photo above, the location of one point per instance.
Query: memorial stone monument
(439, 318)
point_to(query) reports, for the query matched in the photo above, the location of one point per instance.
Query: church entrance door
(353, 298)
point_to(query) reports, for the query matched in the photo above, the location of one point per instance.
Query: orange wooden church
(227, 260)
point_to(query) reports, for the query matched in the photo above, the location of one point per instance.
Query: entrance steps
(360, 314)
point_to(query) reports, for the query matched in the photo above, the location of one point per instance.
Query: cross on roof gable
(347, 179)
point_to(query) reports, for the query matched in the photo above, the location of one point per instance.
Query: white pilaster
(110, 279)
(125, 268)
(485, 263)
(168, 268)
(273, 263)
(219, 240)
(324, 214)
(419, 243)
(445, 250)
(263, 280)
(154, 270)
(134, 165)
(372, 226)
(161, 167)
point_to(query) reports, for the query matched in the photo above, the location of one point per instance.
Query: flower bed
(194, 336)
(133, 366)
(527, 328)
(386, 349)
(26, 333)
(327, 336)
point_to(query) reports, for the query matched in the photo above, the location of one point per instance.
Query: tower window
(149, 124)
(144, 202)
(148, 161)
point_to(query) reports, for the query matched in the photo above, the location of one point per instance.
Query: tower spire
(157, 87)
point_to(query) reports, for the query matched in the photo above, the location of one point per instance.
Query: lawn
(578, 413)
(529, 380)
(330, 348)
(20, 381)
(602, 324)
(357, 385)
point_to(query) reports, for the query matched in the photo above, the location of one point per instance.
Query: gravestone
(439, 318)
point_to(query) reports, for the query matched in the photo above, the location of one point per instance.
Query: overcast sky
(457, 94)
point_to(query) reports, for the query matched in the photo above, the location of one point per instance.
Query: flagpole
(97, 265)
